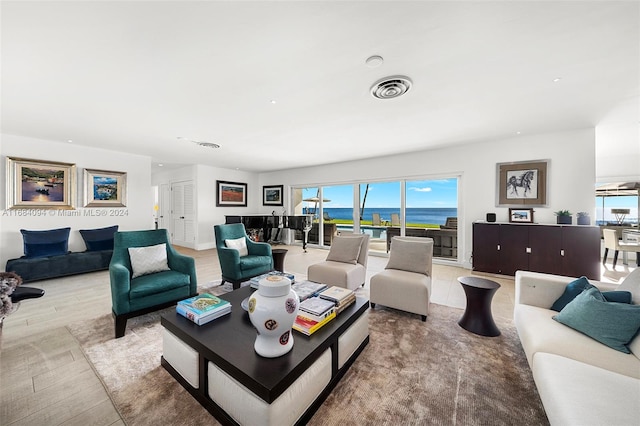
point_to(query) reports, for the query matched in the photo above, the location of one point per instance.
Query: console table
(217, 364)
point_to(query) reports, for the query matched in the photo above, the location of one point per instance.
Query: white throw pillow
(345, 249)
(239, 244)
(632, 284)
(148, 260)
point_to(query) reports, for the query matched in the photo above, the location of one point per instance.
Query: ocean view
(436, 216)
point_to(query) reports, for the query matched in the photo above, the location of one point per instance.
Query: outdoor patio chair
(395, 219)
(375, 219)
(326, 217)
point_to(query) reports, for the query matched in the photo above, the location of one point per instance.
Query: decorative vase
(272, 311)
(565, 220)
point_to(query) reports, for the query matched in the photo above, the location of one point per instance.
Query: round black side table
(278, 258)
(477, 316)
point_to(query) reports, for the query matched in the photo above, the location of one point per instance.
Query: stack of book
(313, 313)
(342, 297)
(256, 280)
(203, 308)
(306, 289)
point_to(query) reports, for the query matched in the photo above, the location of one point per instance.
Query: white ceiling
(133, 76)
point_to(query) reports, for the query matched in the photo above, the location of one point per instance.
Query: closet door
(183, 214)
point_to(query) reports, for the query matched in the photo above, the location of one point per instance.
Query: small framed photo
(231, 194)
(103, 188)
(521, 215)
(272, 195)
(40, 184)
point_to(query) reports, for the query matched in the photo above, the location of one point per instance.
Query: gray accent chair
(405, 284)
(346, 264)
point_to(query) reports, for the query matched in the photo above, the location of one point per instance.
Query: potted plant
(583, 218)
(564, 217)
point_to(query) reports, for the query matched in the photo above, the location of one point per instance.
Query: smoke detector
(391, 87)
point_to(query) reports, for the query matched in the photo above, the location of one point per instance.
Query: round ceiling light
(391, 87)
(374, 61)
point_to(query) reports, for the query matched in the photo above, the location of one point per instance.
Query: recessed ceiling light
(518, 133)
(272, 101)
(160, 165)
(374, 61)
(69, 141)
(557, 79)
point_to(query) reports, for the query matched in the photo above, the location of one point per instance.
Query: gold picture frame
(104, 188)
(522, 183)
(40, 184)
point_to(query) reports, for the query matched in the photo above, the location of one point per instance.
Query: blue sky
(420, 193)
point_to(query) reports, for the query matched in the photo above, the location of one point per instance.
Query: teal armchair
(236, 268)
(131, 297)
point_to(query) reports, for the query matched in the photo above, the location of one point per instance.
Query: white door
(183, 214)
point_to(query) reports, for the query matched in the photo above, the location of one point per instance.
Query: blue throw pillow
(617, 296)
(613, 324)
(99, 239)
(572, 289)
(51, 242)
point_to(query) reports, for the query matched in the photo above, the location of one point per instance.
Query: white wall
(139, 205)
(571, 174)
(618, 144)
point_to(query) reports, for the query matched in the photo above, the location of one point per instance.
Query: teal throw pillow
(617, 296)
(572, 289)
(613, 324)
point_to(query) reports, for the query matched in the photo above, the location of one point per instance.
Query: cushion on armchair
(409, 256)
(50, 242)
(345, 249)
(99, 239)
(239, 244)
(148, 260)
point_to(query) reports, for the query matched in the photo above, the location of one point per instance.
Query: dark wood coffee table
(227, 343)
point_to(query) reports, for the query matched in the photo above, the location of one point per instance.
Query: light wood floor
(46, 380)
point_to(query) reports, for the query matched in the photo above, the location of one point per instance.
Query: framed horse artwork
(521, 184)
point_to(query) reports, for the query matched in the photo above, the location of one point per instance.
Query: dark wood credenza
(504, 248)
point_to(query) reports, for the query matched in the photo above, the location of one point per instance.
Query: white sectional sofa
(580, 380)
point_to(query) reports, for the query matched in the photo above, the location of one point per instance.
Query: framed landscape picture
(272, 195)
(40, 184)
(521, 215)
(104, 188)
(522, 184)
(230, 194)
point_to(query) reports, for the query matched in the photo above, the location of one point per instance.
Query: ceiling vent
(391, 87)
(200, 143)
(207, 144)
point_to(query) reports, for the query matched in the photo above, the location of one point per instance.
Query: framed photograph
(521, 215)
(103, 188)
(522, 184)
(39, 184)
(272, 195)
(231, 194)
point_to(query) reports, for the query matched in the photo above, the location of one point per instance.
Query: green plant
(562, 213)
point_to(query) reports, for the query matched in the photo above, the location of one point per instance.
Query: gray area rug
(410, 373)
